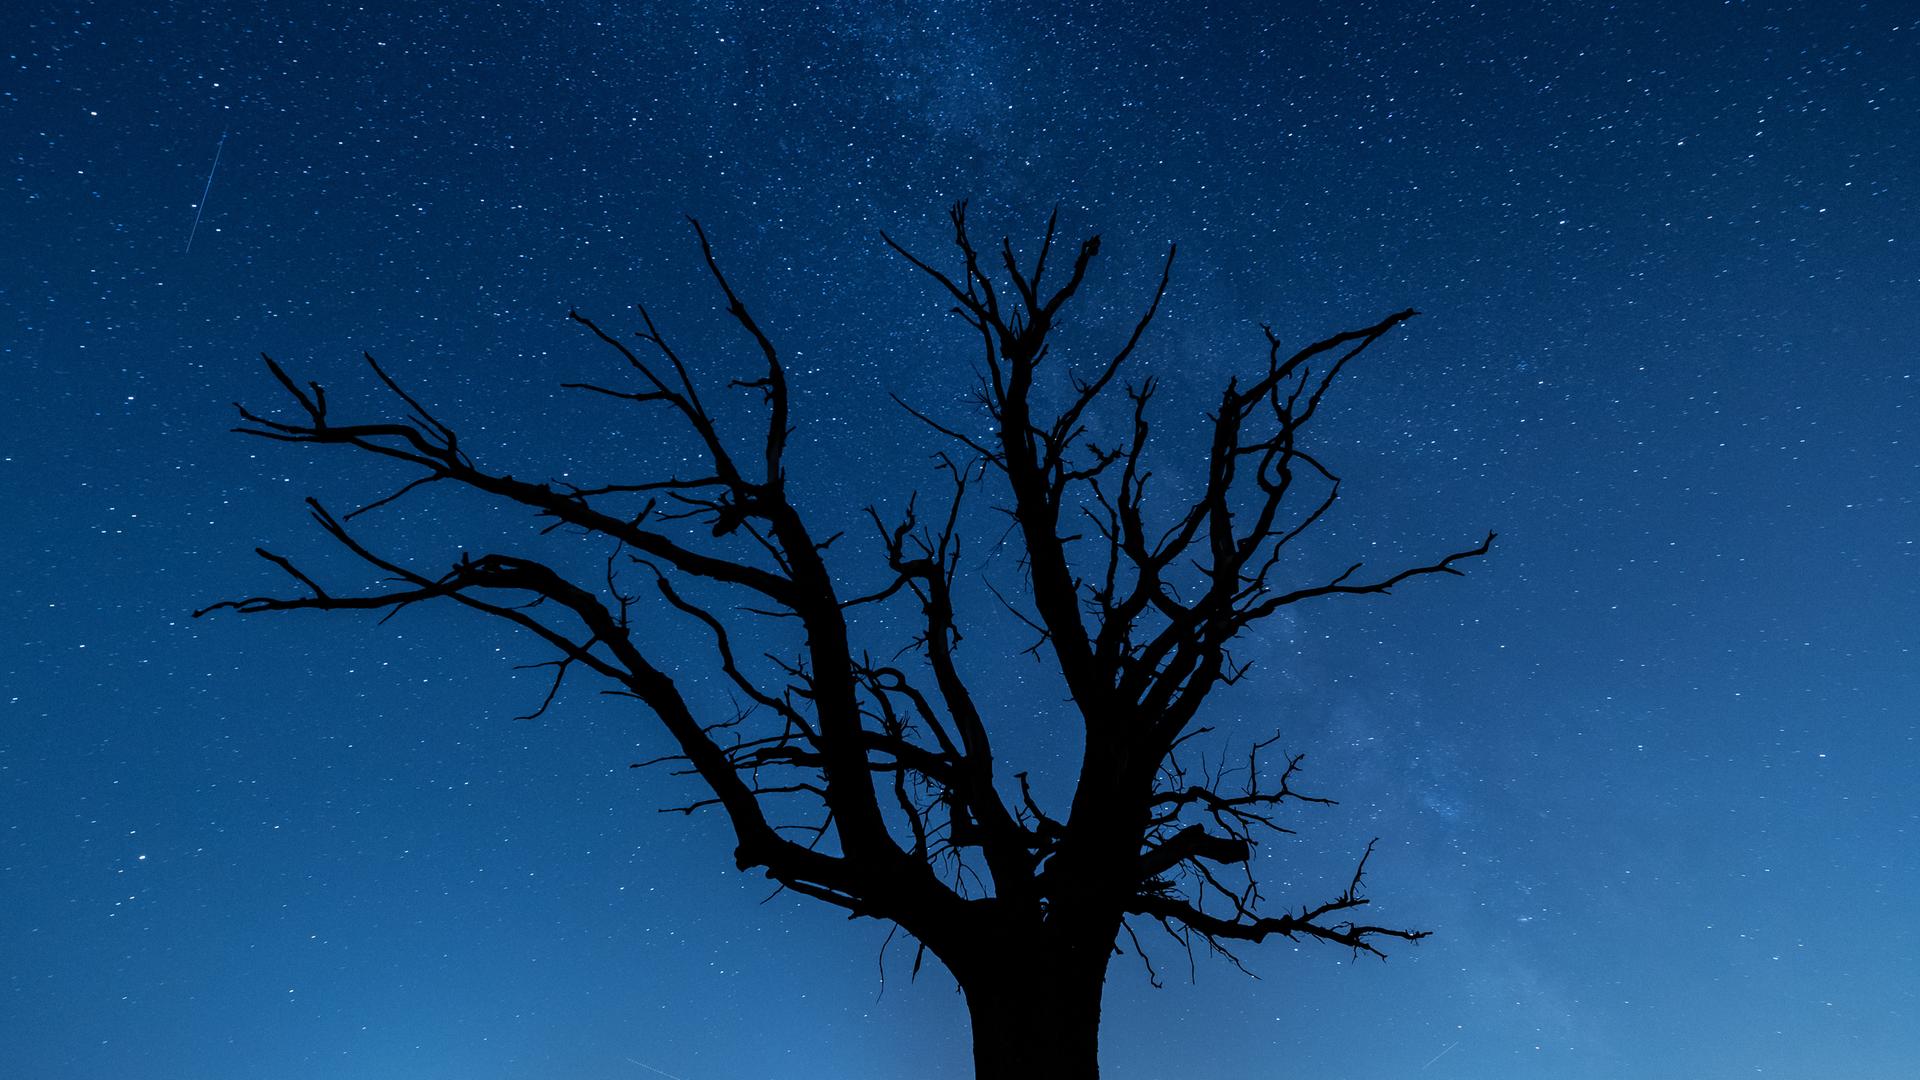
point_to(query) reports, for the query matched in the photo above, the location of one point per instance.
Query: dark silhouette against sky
(860, 706)
(1646, 774)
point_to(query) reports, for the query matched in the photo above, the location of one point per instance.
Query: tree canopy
(864, 774)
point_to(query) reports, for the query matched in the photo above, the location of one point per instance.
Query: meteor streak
(202, 208)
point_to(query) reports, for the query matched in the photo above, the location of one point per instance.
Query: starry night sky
(1646, 771)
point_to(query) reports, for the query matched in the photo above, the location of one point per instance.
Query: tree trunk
(1033, 1020)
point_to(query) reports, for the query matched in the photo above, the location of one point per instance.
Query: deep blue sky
(1647, 771)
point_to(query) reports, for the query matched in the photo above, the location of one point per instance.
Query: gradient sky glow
(1647, 771)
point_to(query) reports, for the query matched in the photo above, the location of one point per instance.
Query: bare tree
(910, 817)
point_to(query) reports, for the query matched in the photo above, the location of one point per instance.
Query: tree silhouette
(912, 820)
